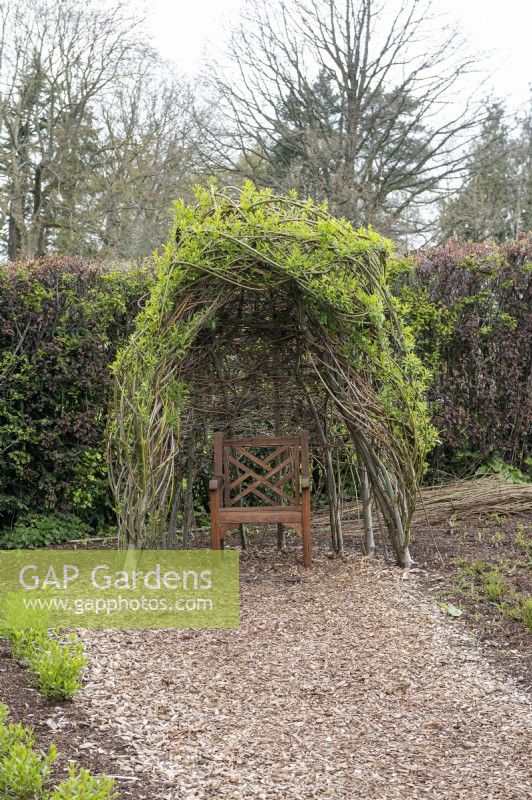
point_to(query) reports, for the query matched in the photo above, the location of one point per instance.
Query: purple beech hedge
(61, 322)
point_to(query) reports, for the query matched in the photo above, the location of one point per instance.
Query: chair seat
(254, 514)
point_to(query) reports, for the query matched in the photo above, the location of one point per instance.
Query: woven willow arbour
(248, 249)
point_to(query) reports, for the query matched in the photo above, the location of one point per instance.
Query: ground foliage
(61, 321)
(237, 241)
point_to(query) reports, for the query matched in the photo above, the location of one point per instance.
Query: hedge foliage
(61, 323)
(470, 306)
(63, 320)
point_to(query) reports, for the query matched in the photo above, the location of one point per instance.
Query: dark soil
(457, 566)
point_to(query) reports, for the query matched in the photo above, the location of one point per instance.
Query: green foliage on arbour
(341, 299)
(254, 241)
(61, 322)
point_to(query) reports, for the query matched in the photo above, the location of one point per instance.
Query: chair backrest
(266, 470)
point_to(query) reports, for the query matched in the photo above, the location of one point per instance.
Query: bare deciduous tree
(92, 131)
(57, 58)
(147, 161)
(353, 101)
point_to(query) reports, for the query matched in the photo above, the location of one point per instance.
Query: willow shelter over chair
(263, 479)
(267, 314)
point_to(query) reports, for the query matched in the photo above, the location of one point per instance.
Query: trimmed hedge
(470, 306)
(61, 323)
(25, 772)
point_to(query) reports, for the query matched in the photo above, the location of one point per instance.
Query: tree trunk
(281, 534)
(243, 537)
(171, 537)
(13, 241)
(335, 520)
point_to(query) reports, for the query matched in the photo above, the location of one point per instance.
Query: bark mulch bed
(461, 562)
(478, 557)
(345, 682)
(468, 535)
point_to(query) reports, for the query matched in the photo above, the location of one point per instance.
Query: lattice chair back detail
(263, 479)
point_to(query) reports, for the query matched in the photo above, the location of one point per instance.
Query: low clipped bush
(81, 785)
(25, 772)
(57, 668)
(25, 640)
(55, 662)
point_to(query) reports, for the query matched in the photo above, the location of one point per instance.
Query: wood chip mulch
(343, 682)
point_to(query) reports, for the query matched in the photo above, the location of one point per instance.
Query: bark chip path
(343, 682)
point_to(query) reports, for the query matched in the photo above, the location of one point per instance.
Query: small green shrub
(57, 669)
(24, 641)
(11, 734)
(526, 613)
(56, 664)
(494, 585)
(81, 785)
(42, 530)
(23, 771)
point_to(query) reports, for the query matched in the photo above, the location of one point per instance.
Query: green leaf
(451, 610)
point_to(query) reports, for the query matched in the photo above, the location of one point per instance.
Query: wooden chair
(272, 470)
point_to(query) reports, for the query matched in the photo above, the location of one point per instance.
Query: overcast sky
(187, 30)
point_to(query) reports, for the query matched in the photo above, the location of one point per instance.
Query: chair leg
(307, 538)
(215, 507)
(215, 538)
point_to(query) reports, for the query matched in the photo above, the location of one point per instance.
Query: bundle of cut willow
(452, 503)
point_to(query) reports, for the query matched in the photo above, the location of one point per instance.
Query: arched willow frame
(348, 329)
